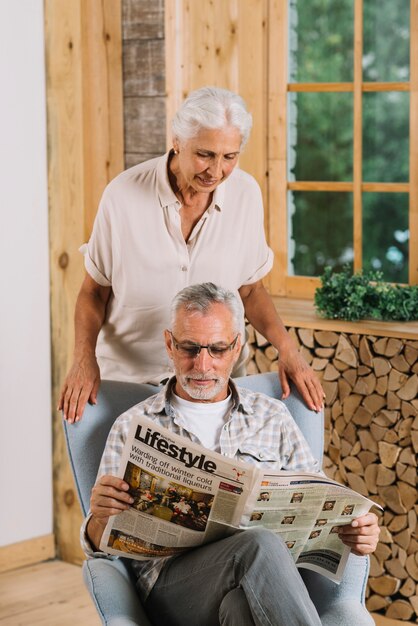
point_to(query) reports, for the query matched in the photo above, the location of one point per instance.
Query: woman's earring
(176, 151)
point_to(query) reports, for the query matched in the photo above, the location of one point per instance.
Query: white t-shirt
(204, 419)
(137, 248)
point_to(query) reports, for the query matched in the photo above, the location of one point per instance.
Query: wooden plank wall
(85, 150)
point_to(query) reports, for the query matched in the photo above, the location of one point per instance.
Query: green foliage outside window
(321, 136)
(316, 215)
(385, 227)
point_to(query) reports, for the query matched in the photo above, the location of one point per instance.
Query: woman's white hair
(214, 108)
(200, 298)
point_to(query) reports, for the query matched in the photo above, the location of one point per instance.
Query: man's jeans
(249, 578)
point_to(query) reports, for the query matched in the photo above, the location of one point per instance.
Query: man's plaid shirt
(259, 429)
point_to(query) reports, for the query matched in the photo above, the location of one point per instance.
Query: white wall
(25, 411)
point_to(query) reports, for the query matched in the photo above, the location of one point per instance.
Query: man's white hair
(213, 108)
(202, 297)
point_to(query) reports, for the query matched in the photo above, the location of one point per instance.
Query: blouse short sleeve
(98, 252)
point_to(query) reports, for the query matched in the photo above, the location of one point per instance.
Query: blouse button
(184, 268)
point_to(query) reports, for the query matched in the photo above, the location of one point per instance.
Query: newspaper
(185, 496)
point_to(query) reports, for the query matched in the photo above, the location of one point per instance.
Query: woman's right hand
(80, 386)
(83, 380)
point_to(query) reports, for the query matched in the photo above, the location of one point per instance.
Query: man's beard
(202, 394)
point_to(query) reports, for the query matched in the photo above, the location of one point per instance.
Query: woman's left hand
(262, 314)
(361, 535)
(293, 367)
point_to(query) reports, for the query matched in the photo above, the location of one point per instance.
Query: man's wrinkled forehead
(217, 320)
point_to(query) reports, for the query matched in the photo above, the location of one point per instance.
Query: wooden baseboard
(27, 552)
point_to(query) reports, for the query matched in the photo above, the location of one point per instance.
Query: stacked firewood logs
(371, 442)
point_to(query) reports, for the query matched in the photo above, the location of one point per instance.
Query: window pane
(386, 40)
(320, 136)
(321, 231)
(386, 136)
(386, 234)
(321, 41)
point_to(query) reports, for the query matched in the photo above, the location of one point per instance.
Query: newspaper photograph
(186, 495)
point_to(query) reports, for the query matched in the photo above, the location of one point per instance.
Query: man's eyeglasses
(192, 350)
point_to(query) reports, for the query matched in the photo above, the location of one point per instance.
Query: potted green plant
(364, 295)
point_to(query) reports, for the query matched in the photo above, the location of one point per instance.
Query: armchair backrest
(310, 423)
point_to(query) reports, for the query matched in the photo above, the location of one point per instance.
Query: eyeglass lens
(193, 350)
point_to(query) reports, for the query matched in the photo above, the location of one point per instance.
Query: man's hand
(109, 496)
(361, 535)
(292, 366)
(80, 386)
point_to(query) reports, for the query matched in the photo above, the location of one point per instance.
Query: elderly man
(249, 578)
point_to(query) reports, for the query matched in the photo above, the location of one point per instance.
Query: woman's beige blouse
(138, 249)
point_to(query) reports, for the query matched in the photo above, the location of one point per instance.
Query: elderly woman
(187, 217)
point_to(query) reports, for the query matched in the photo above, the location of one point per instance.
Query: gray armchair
(109, 580)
